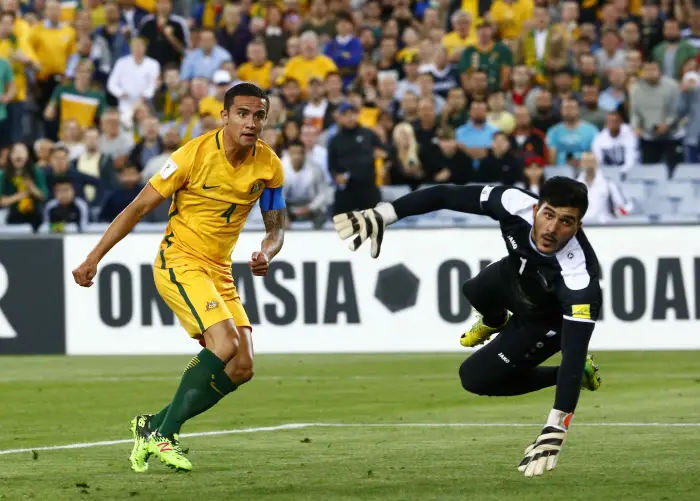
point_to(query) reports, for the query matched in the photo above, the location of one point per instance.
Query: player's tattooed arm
(274, 231)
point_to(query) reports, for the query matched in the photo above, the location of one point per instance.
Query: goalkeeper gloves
(369, 223)
(542, 455)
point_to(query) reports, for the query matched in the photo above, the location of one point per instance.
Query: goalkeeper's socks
(203, 384)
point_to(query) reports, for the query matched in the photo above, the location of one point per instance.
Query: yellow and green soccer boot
(591, 379)
(168, 450)
(140, 430)
(479, 332)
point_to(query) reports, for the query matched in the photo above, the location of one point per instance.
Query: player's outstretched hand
(84, 274)
(361, 225)
(259, 264)
(543, 453)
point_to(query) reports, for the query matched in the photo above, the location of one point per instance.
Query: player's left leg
(509, 364)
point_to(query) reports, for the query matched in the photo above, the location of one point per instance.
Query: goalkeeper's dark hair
(562, 191)
(245, 89)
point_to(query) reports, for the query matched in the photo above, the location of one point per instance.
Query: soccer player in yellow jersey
(214, 180)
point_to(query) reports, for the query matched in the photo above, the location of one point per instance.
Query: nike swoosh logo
(205, 187)
(215, 388)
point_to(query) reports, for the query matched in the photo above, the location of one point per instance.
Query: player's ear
(224, 117)
(535, 208)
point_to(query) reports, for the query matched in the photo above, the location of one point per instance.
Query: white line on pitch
(298, 426)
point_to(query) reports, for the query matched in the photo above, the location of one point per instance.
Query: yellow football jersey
(211, 198)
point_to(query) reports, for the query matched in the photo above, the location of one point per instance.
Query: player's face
(554, 226)
(245, 119)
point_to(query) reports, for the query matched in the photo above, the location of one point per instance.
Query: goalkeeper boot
(479, 332)
(168, 450)
(140, 430)
(591, 379)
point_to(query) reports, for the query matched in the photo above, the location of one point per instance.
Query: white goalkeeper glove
(369, 223)
(542, 455)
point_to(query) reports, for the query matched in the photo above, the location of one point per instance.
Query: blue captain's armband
(272, 199)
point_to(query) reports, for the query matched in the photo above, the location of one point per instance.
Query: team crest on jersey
(212, 305)
(582, 311)
(257, 186)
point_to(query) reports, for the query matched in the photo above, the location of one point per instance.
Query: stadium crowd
(364, 94)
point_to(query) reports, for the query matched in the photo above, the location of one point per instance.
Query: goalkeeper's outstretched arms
(371, 223)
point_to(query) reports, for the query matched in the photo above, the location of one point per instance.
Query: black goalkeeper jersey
(562, 285)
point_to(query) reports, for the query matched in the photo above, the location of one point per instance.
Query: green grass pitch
(394, 442)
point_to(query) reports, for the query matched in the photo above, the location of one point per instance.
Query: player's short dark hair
(245, 89)
(562, 191)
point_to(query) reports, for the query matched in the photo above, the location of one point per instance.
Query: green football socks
(203, 384)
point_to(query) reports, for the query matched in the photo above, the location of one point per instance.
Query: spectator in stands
(204, 60)
(116, 201)
(570, 138)
(475, 137)
(42, 152)
(544, 116)
(462, 36)
(653, 113)
(114, 34)
(53, 43)
(633, 63)
(345, 49)
(77, 101)
(113, 141)
(306, 192)
(498, 116)
(409, 82)
(314, 110)
(167, 34)
(500, 164)
(631, 36)
(510, 17)
(21, 58)
(388, 49)
(151, 144)
(689, 115)
(212, 104)
(276, 39)
(133, 15)
(171, 142)
(493, 58)
(168, 95)
(258, 69)
(455, 113)
(408, 110)
(590, 111)
(588, 73)
(445, 76)
(134, 78)
(544, 46)
(23, 188)
(527, 141)
(447, 163)
(320, 22)
(60, 170)
(310, 63)
(610, 55)
(533, 177)
(612, 97)
(520, 88)
(403, 165)
(234, 36)
(426, 85)
(72, 138)
(351, 159)
(673, 52)
(97, 52)
(94, 163)
(605, 198)
(66, 207)
(617, 144)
